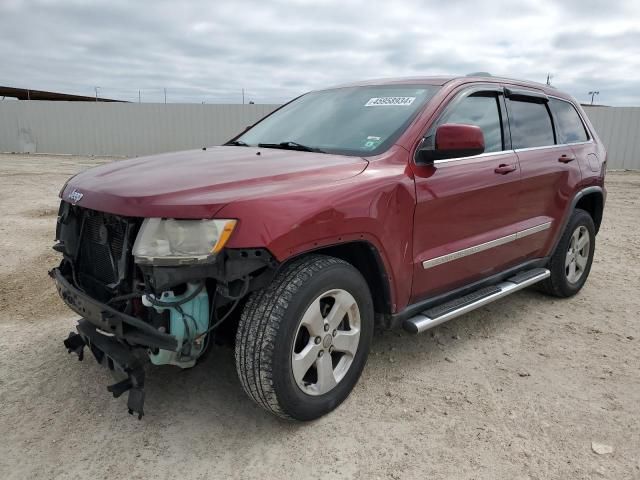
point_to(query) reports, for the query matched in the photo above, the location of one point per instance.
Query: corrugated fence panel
(619, 130)
(131, 129)
(127, 129)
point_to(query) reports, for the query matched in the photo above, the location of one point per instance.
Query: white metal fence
(619, 130)
(127, 129)
(131, 129)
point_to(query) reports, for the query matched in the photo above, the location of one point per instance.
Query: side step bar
(461, 305)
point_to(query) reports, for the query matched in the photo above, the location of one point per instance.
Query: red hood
(198, 183)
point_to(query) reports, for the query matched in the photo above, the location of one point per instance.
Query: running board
(461, 305)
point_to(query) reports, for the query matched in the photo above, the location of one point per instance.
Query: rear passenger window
(569, 126)
(482, 111)
(530, 124)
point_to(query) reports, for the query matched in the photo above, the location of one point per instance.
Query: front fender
(377, 206)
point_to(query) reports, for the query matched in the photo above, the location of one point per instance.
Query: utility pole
(96, 89)
(139, 97)
(243, 96)
(593, 94)
(165, 96)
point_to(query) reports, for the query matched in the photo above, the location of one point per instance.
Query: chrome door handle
(503, 169)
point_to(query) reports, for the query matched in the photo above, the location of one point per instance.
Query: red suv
(383, 203)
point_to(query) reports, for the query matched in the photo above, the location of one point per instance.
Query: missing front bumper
(116, 356)
(126, 327)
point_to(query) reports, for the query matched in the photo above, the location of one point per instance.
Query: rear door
(549, 171)
(467, 208)
(570, 130)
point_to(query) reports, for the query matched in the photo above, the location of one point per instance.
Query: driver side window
(483, 111)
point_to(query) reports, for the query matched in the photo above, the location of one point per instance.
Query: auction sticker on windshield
(372, 142)
(389, 101)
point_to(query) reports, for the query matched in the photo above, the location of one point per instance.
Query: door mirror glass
(453, 140)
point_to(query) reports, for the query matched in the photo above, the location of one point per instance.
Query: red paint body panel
(451, 137)
(292, 202)
(198, 183)
(375, 206)
(460, 204)
(548, 187)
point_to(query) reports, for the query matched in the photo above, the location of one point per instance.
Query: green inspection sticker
(372, 142)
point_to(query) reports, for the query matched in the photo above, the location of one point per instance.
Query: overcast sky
(208, 50)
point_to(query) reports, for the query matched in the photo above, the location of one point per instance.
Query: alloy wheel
(577, 254)
(326, 342)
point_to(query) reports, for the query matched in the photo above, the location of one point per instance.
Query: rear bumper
(103, 317)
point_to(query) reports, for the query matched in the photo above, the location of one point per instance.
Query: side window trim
(506, 127)
(554, 126)
(523, 95)
(512, 95)
(496, 90)
(584, 125)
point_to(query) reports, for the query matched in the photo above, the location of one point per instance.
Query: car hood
(198, 183)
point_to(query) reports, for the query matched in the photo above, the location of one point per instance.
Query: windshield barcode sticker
(389, 101)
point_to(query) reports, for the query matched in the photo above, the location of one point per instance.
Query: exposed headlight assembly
(180, 242)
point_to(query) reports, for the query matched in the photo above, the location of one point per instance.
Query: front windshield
(352, 121)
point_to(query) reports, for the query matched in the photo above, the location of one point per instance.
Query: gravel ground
(527, 387)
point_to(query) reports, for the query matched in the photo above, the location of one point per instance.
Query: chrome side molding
(433, 262)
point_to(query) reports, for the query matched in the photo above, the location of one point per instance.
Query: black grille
(102, 243)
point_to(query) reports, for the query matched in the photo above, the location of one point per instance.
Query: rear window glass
(530, 124)
(569, 126)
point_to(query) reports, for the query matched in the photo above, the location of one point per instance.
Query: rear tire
(571, 262)
(303, 341)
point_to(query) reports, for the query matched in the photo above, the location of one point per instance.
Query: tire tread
(555, 284)
(259, 325)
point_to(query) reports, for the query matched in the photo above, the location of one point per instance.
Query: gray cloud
(208, 51)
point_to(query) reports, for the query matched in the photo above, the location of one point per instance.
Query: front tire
(303, 341)
(570, 264)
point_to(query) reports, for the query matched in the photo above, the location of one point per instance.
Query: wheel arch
(366, 258)
(593, 203)
(591, 199)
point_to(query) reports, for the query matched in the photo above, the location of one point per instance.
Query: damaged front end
(149, 290)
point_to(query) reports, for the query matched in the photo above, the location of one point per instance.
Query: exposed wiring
(183, 315)
(191, 296)
(75, 279)
(186, 325)
(128, 296)
(213, 313)
(213, 316)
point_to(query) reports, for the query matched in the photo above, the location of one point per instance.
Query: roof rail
(479, 74)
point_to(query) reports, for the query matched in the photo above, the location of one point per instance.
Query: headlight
(177, 242)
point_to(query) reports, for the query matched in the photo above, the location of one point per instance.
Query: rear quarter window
(530, 124)
(569, 126)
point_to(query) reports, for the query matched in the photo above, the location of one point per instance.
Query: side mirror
(453, 140)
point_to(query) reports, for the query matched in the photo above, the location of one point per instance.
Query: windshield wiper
(291, 146)
(237, 143)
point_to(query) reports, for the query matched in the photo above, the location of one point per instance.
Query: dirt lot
(519, 389)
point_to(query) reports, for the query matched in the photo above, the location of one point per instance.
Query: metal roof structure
(28, 94)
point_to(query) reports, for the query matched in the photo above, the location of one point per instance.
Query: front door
(467, 213)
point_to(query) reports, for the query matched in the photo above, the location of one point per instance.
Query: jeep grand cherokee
(385, 203)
